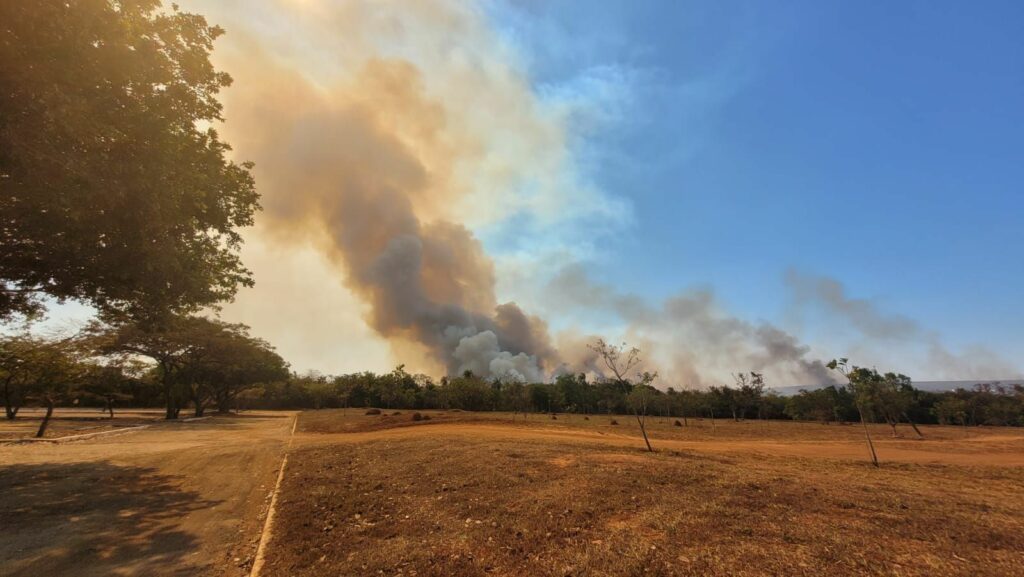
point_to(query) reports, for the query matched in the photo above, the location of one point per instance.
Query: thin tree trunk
(867, 435)
(643, 430)
(713, 428)
(9, 409)
(46, 419)
(110, 407)
(914, 425)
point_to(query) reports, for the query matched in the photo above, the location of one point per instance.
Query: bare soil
(480, 494)
(473, 494)
(73, 422)
(172, 499)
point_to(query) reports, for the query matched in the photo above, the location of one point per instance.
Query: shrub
(417, 417)
(677, 423)
(373, 412)
(614, 422)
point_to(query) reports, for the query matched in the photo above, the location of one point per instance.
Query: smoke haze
(384, 134)
(690, 338)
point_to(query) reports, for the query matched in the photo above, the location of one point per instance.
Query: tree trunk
(643, 430)
(46, 419)
(223, 403)
(172, 403)
(713, 428)
(200, 409)
(867, 435)
(9, 408)
(110, 407)
(892, 424)
(914, 425)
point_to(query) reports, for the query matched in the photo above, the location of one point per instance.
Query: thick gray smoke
(375, 128)
(365, 170)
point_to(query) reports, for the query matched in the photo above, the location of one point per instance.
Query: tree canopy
(197, 359)
(114, 188)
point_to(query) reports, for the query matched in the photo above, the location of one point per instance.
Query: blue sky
(876, 143)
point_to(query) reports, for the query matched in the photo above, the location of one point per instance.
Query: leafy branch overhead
(115, 189)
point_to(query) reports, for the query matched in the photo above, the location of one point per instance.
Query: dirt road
(174, 499)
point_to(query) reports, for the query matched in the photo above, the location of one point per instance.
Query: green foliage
(113, 187)
(197, 359)
(828, 404)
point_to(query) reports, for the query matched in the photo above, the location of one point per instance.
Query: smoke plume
(385, 133)
(377, 164)
(690, 338)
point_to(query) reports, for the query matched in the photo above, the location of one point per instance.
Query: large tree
(231, 363)
(114, 187)
(197, 359)
(47, 371)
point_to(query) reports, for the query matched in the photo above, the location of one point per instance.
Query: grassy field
(475, 494)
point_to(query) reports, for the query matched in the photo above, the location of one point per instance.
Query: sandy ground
(74, 421)
(173, 499)
(190, 498)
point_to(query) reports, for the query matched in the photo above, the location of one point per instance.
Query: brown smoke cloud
(368, 165)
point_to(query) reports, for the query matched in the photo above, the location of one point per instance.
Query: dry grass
(448, 501)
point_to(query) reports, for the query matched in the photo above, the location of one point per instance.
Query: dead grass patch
(432, 504)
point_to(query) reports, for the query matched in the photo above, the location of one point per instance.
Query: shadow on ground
(94, 519)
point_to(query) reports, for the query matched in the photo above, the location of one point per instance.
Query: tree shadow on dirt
(94, 519)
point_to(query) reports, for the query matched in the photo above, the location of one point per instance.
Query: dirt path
(174, 499)
(991, 451)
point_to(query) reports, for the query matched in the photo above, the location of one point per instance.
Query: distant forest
(985, 404)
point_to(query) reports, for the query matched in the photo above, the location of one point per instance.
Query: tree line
(985, 404)
(186, 361)
(194, 363)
